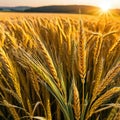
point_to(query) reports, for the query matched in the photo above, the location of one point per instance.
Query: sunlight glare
(105, 6)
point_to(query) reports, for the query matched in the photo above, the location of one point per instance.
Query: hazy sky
(115, 3)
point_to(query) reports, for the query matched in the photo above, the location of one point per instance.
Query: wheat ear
(12, 110)
(82, 59)
(97, 49)
(108, 78)
(98, 74)
(50, 64)
(76, 102)
(101, 100)
(114, 46)
(11, 71)
(113, 111)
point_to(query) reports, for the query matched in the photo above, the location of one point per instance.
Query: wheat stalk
(48, 105)
(29, 106)
(58, 112)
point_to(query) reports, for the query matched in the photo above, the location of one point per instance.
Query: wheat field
(59, 67)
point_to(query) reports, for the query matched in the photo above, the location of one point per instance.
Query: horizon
(38, 3)
(58, 5)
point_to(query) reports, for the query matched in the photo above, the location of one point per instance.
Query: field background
(41, 15)
(59, 66)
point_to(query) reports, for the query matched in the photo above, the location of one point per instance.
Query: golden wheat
(76, 102)
(39, 58)
(109, 77)
(11, 71)
(102, 99)
(98, 74)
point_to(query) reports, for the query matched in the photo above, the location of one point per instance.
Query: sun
(105, 5)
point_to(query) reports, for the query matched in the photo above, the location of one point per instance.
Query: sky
(36, 3)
